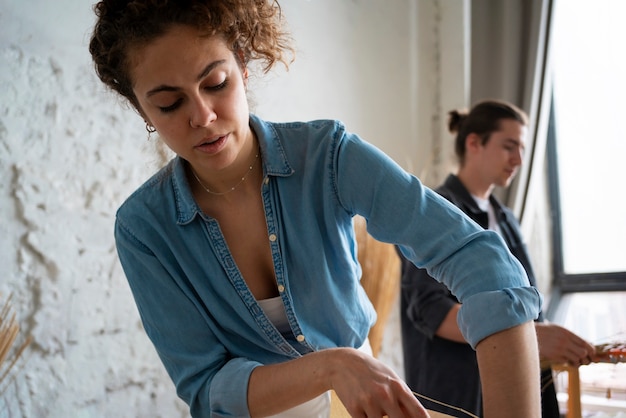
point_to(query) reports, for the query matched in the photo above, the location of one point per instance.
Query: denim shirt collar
(273, 158)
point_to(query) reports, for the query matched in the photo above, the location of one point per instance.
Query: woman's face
(193, 91)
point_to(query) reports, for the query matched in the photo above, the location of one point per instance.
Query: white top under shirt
(318, 407)
(486, 206)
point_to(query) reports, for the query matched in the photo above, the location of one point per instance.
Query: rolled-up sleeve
(229, 395)
(513, 306)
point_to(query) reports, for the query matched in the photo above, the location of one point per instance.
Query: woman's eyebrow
(203, 73)
(209, 68)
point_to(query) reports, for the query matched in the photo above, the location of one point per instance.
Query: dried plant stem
(9, 330)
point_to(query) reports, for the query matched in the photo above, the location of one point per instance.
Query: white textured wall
(71, 152)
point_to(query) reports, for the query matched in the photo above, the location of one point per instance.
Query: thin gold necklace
(232, 189)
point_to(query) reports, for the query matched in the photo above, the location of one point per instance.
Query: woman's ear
(241, 59)
(244, 68)
(245, 74)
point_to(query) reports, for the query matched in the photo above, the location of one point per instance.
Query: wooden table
(337, 410)
(606, 353)
(574, 408)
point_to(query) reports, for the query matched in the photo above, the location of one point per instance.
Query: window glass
(589, 76)
(587, 143)
(598, 317)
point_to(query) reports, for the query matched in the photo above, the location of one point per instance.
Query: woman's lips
(212, 147)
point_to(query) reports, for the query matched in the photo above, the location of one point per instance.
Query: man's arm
(449, 328)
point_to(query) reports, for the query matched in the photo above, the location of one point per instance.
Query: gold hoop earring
(150, 129)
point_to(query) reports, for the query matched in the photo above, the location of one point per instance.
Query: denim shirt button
(300, 338)
(281, 288)
(267, 180)
(272, 237)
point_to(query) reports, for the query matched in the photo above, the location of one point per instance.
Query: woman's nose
(202, 113)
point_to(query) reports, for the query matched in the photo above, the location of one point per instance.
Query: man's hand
(559, 345)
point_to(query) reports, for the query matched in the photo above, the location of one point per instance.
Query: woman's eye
(219, 86)
(177, 103)
(170, 108)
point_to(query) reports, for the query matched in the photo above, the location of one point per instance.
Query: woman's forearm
(509, 373)
(300, 379)
(365, 385)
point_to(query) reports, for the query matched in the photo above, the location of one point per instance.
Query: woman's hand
(368, 388)
(365, 386)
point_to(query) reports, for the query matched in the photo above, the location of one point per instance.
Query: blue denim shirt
(206, 325)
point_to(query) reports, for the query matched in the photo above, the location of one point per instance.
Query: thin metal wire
(446, 405)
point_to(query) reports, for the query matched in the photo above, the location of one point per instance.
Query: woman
(240, 253)
(489, 143)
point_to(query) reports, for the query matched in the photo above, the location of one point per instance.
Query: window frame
(566, 282)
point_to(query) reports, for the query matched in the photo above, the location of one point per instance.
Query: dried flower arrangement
(9, 330)
(380, 278)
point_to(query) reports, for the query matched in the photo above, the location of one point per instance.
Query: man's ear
(473, 142)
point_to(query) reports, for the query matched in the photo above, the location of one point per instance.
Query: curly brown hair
(253, 29)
